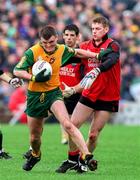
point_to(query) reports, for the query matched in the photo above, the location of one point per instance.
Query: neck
(97, 42)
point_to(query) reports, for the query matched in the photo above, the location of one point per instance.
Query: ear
(63, 35)
(106, 29)
(79, 38)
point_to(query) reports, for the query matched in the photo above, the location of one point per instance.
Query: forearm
(108, 61)
(81, 53)
(22, 74)
(78, 88)
(5, 77)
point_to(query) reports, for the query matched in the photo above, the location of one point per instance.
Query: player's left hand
(16, 82)
(89, 78)
(68, 91)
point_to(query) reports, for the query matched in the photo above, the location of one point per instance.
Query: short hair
(47, 31)
(101, 20)
(72, 27)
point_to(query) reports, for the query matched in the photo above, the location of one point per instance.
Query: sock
(36, 154)
(1, 139)
(82, 158)
(73, 155)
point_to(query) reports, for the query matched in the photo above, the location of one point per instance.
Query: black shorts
(71, 102)
(99, 105)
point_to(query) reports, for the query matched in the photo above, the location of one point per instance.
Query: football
(39, 66)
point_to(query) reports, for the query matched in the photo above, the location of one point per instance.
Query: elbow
(16, 73)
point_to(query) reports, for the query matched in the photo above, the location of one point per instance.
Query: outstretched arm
(40, 77)
(81, 53)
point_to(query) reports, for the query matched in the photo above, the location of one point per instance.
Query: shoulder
(114, 45)
(69, 49)
(28, 52)
(85, 44)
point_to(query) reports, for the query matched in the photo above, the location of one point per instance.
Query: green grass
(118, 153)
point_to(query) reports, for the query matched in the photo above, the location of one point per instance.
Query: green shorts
(39, 103)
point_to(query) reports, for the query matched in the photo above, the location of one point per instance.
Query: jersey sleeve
(68, 53)
(110, 59)
(26, 61)
(69, 57)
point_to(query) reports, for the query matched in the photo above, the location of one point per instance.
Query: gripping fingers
(16, 82)
(88, 83)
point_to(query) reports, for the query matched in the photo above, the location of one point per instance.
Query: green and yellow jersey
(58, 58)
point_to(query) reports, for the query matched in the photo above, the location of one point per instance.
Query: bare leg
(36, 127)
(80, 114)
(98, 122)
(64, 135)
(59, 110)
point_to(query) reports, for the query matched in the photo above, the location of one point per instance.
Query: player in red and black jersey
(101, 85)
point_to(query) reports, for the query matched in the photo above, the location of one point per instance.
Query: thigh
(59, 110)
(80, 114)
(99, 120)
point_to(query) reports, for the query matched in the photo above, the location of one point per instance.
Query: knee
(76, 124)
(68, 126)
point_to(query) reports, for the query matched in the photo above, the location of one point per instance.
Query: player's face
(98, 31)
(70, 38)
(50, 44)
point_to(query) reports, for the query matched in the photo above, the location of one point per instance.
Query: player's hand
(16, 82)
(68, 91)
(41, 77)
(104, 53)
(89, 78)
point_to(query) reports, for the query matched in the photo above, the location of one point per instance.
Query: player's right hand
(68, 91)
(40, 77)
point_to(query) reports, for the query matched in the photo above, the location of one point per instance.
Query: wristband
(33, 78)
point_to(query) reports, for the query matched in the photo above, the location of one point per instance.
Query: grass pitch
(118, 153)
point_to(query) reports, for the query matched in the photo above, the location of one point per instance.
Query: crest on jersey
(52, 59)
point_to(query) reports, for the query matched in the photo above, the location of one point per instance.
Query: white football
(39, 66)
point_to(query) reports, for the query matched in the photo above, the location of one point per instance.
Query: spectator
(17, 104)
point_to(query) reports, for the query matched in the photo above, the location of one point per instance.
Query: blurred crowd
(20, 21)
